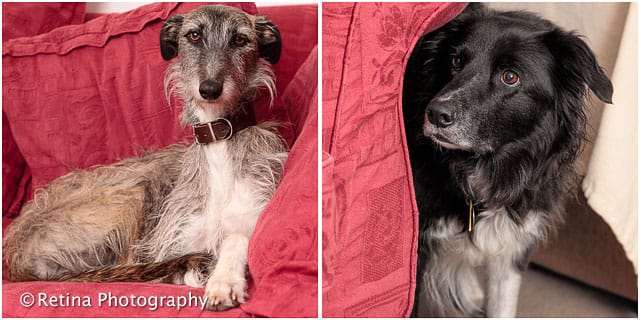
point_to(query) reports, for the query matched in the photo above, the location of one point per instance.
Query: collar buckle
(213, 131)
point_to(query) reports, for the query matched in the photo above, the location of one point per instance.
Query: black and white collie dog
(494, 117)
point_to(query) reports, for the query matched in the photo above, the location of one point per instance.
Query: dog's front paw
(223, 293)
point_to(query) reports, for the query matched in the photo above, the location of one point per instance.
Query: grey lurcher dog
(183, 214)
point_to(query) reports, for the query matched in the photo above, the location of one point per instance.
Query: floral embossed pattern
(369, 218)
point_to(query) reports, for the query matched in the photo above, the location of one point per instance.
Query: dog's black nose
(210, 89)
(440, 117)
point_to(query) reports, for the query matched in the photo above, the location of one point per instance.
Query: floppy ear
(269, 40)
(169, 37)
(576, 62)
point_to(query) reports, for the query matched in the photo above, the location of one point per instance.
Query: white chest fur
(495, 234)
(496, 239)
(230, 206)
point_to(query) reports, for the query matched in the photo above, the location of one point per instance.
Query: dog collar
(222, 128)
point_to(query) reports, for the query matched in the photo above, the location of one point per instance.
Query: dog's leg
(450, 287)
(503, 287)
(226, 287)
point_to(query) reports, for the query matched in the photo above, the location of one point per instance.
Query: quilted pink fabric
(369, 214)
(92, 93)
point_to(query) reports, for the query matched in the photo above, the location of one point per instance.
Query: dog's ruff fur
(160, 217)
(506, 143)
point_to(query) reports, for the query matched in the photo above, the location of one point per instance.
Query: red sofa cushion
(92, 93)
(283, 252)
(24, 20)
(29, 19)
(369, 214)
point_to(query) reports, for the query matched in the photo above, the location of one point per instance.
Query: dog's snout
(440, 116)
(210, 90)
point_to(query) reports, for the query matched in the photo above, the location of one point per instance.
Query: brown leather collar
(222, 128)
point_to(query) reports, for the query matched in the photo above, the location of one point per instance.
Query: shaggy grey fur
(179, 200)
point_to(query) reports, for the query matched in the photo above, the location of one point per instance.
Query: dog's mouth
(443, 140)
(208, 110)
(208, 103)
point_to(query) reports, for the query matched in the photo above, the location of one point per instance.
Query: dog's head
(493, 79)
(223, 54)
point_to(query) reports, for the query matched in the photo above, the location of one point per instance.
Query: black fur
(269, 39)
(169, 37)
(507, 147)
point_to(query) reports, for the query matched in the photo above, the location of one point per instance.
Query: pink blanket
(369, 213)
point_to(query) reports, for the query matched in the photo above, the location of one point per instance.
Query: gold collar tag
(472, 216)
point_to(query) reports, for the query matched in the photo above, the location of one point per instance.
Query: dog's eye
(456, 62)
(240, 40)
(194, 36)
(510, 78)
